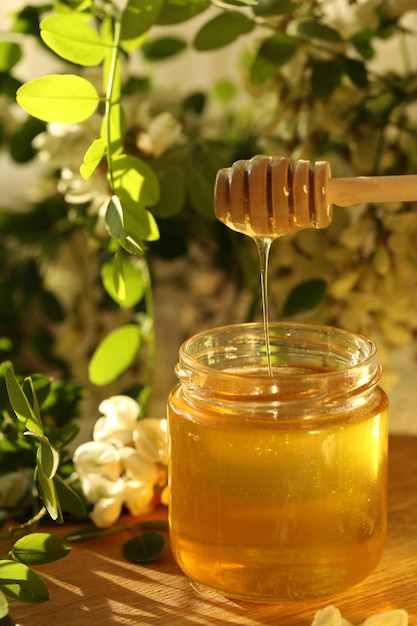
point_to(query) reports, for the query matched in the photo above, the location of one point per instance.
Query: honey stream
(264, 247)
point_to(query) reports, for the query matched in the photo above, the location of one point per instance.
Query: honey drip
(264, 247)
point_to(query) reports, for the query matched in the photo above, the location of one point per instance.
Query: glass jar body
(277, 483)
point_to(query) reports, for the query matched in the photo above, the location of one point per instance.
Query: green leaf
(135, 179)
(163, 48)
(22, 583)
(62, 436)
(21, 148)
(123, 282)
(362, 42)
(92, 158)
(61, 98)
(139, 223)
(200, 191)
(72, 39)
(138, 17)
(313, 29)
(273, 53)
(20, 404)
(222, 30)
(115, 354)
(47, 457)
(4, 605)
(40, 548)
(69, 499)
(144, 548)
(41, 385)
(32, 398)
(117, 274)
(115, 222)
(132, 246)
(48, 495)
(10, 54)
(268, 8)
(305, 296)
(84, 534)
(356, 70)
(172, 198)
(114, 218)
(174, 12)
(26, 20)
(325, 77)
(224, 90)
(195, 102)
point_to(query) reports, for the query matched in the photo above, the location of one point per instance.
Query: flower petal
(99, 458)
(106, 512)
(138, 468)
(150, 439)
(138, 497)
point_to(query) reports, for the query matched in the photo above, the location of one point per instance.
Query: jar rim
(323, 359)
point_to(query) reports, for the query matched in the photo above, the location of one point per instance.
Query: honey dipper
(267, 197)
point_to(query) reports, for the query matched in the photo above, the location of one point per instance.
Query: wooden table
(95, 586)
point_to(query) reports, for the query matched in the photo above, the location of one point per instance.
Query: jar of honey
(278, 480)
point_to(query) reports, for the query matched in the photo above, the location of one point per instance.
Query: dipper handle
(349, 191)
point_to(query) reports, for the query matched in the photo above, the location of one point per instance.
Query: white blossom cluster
(125, 463)
(331, 616)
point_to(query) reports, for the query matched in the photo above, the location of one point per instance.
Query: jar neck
(311, 365)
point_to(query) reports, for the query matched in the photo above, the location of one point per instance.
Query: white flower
(106, 495)
(138, 496)
(96, 488)
(163, 132)
(329, 616)
(349, 19)
(125, 465)
(117, 424)
(150, 439)
(64, 145)
(137, 468)
(95, 457)
(106, 512)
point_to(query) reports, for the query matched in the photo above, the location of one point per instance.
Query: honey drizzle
(264, 247)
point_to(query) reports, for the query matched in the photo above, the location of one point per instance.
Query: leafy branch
(17, 579)
(132, 183)
(25, 407)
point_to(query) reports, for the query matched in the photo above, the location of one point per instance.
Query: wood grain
(95, 586)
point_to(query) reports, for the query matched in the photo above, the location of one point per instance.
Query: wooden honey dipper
(267, 197)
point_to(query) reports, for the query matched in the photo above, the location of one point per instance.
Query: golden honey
(278, 482)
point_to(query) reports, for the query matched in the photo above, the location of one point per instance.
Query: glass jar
(278, 482)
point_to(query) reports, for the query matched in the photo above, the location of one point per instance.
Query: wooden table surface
(95, 586)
